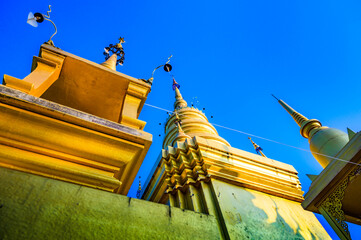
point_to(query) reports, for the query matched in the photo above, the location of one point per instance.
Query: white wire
(263, 138)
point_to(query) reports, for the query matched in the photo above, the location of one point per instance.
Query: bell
(167, 67)
(39, 17)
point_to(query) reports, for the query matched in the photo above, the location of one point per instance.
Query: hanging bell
(167, 67)
(39, 17)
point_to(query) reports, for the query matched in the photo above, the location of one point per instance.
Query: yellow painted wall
(250, 214)
(34, 207)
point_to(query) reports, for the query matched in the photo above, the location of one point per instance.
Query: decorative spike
(257, 148)
(299, 118)
(180, 102)
(350, 133)
(139, 188)
(175, 84)
(307, 126)
(275, 97)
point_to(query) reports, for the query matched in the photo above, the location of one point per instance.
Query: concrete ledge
(34, 207)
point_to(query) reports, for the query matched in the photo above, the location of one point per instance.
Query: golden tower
(198, 170)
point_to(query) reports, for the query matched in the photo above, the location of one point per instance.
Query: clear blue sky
(229, 56)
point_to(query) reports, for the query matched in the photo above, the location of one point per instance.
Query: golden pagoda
(71, 145)
(199, 171)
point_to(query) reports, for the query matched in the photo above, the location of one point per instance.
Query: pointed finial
(324, 141)
(119, 44)
(117, 51)
(275, 97)
(180, 102)
(139, 188)
(306, 124)
(175, 84)
(257, 148)
(299, 118)
(350, 133)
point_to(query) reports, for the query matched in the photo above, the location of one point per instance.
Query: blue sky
(230, 56)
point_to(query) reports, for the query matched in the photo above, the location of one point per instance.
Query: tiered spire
(307, 125)
(180, 102)
(257, 148)
(325, 142)
(194, 123)
(299, 118)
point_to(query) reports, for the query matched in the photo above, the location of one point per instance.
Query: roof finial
(139, 188)
(275, 97)
(324, 141)
(112, 60)
(180, 102)
(257, 148)
(299, 118)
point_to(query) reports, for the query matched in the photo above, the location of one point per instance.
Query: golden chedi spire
(325, 142)
(193, 123)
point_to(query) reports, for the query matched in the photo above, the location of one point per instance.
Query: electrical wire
(263, 138)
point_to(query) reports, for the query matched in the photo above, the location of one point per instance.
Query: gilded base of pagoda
(44, 138)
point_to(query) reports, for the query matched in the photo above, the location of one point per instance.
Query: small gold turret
(257, 148)
(193, 123)
(325, 142)
(181, 136)
(111, 62)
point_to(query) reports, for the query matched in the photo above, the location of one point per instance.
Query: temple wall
(35, 207)
(250, 214)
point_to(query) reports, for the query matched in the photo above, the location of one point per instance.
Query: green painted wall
(34, 207)
(250, 214)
